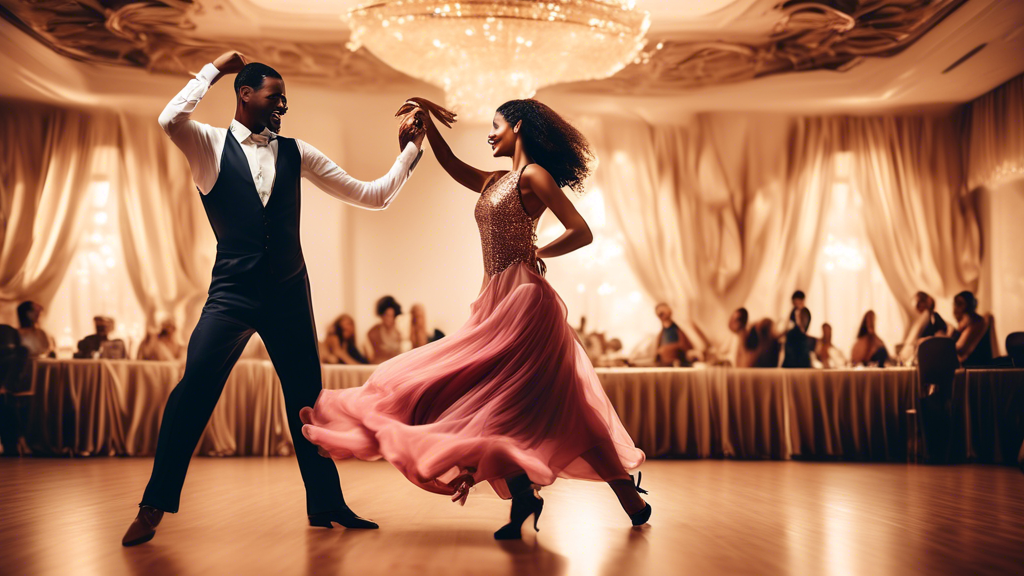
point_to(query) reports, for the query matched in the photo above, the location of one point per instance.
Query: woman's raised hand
(445, 116)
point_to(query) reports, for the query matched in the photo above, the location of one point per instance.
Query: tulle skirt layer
(510, 392)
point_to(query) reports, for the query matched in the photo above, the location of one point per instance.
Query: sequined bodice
(507, 233)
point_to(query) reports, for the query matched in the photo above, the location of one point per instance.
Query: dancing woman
(510, 398)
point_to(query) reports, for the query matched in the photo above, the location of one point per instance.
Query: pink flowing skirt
(510, 392)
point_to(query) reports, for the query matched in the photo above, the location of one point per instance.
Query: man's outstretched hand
(411, 130)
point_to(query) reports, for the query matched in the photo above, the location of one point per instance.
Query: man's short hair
(23, 309)
(798, 295)
(252, 75)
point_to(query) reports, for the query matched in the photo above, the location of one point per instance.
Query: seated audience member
(927, 324)
(35, 340)
(798, 345)
(163, 346)
(340, 345)
(418, 331)
(99, 345)
(868, 350)
(973, 333)
(673, 345)
(728, 354)
(385, 338)
(932, 323)
(581, 331)
(798, 299)
(828, 355)
(13, 363)
(612, 355)
(762, 348)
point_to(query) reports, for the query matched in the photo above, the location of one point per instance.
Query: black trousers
(282, 314)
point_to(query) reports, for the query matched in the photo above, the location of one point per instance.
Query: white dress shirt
(203, 146)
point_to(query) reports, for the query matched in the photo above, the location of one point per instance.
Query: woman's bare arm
(470, 177)
(537, 181)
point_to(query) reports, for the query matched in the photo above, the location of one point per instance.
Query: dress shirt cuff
(208, 74)
(410, 156)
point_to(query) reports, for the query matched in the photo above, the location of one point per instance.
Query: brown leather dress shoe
(144, 527)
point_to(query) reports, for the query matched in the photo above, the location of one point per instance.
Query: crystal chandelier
(484, 52)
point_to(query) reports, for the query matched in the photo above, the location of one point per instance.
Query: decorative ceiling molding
(769, 38)
(806, 35)
(160, 36)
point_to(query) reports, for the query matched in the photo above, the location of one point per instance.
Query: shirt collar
(242, 133)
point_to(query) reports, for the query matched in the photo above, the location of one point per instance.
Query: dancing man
(249, 179)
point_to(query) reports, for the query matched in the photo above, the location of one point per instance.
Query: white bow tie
(261, 140)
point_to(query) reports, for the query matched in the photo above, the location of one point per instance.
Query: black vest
(255, 243)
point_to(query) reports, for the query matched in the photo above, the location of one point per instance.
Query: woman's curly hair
(552, 142)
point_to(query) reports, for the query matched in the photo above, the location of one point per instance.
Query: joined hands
(415, 117)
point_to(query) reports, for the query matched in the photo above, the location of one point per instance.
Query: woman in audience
(385, 337)
(418, 331)
(340, 345)
(869, 350)
(973, 333)
(33, 338)
(828, 355)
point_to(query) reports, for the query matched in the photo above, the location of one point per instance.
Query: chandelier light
(488, 51)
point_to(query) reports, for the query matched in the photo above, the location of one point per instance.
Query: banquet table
(113, 407)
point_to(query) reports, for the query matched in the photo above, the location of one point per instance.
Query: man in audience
(798, 304)
(799, 345)
(673, 345)
(33, 338)
(99, 345)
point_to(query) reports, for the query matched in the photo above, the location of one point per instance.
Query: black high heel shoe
(641, 517)
(523, 506)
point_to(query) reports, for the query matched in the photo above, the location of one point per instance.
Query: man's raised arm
(195, 140)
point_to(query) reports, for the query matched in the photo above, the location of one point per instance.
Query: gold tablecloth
(92, 407)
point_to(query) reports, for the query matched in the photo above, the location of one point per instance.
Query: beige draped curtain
(48, 162)
(995, 122)
(46, 166)
(922, 226)
(723, 213)
(168, 245)
(729, 210)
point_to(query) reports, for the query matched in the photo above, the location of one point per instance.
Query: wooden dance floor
(245, 516)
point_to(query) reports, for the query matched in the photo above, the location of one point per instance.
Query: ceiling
(714, 54)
